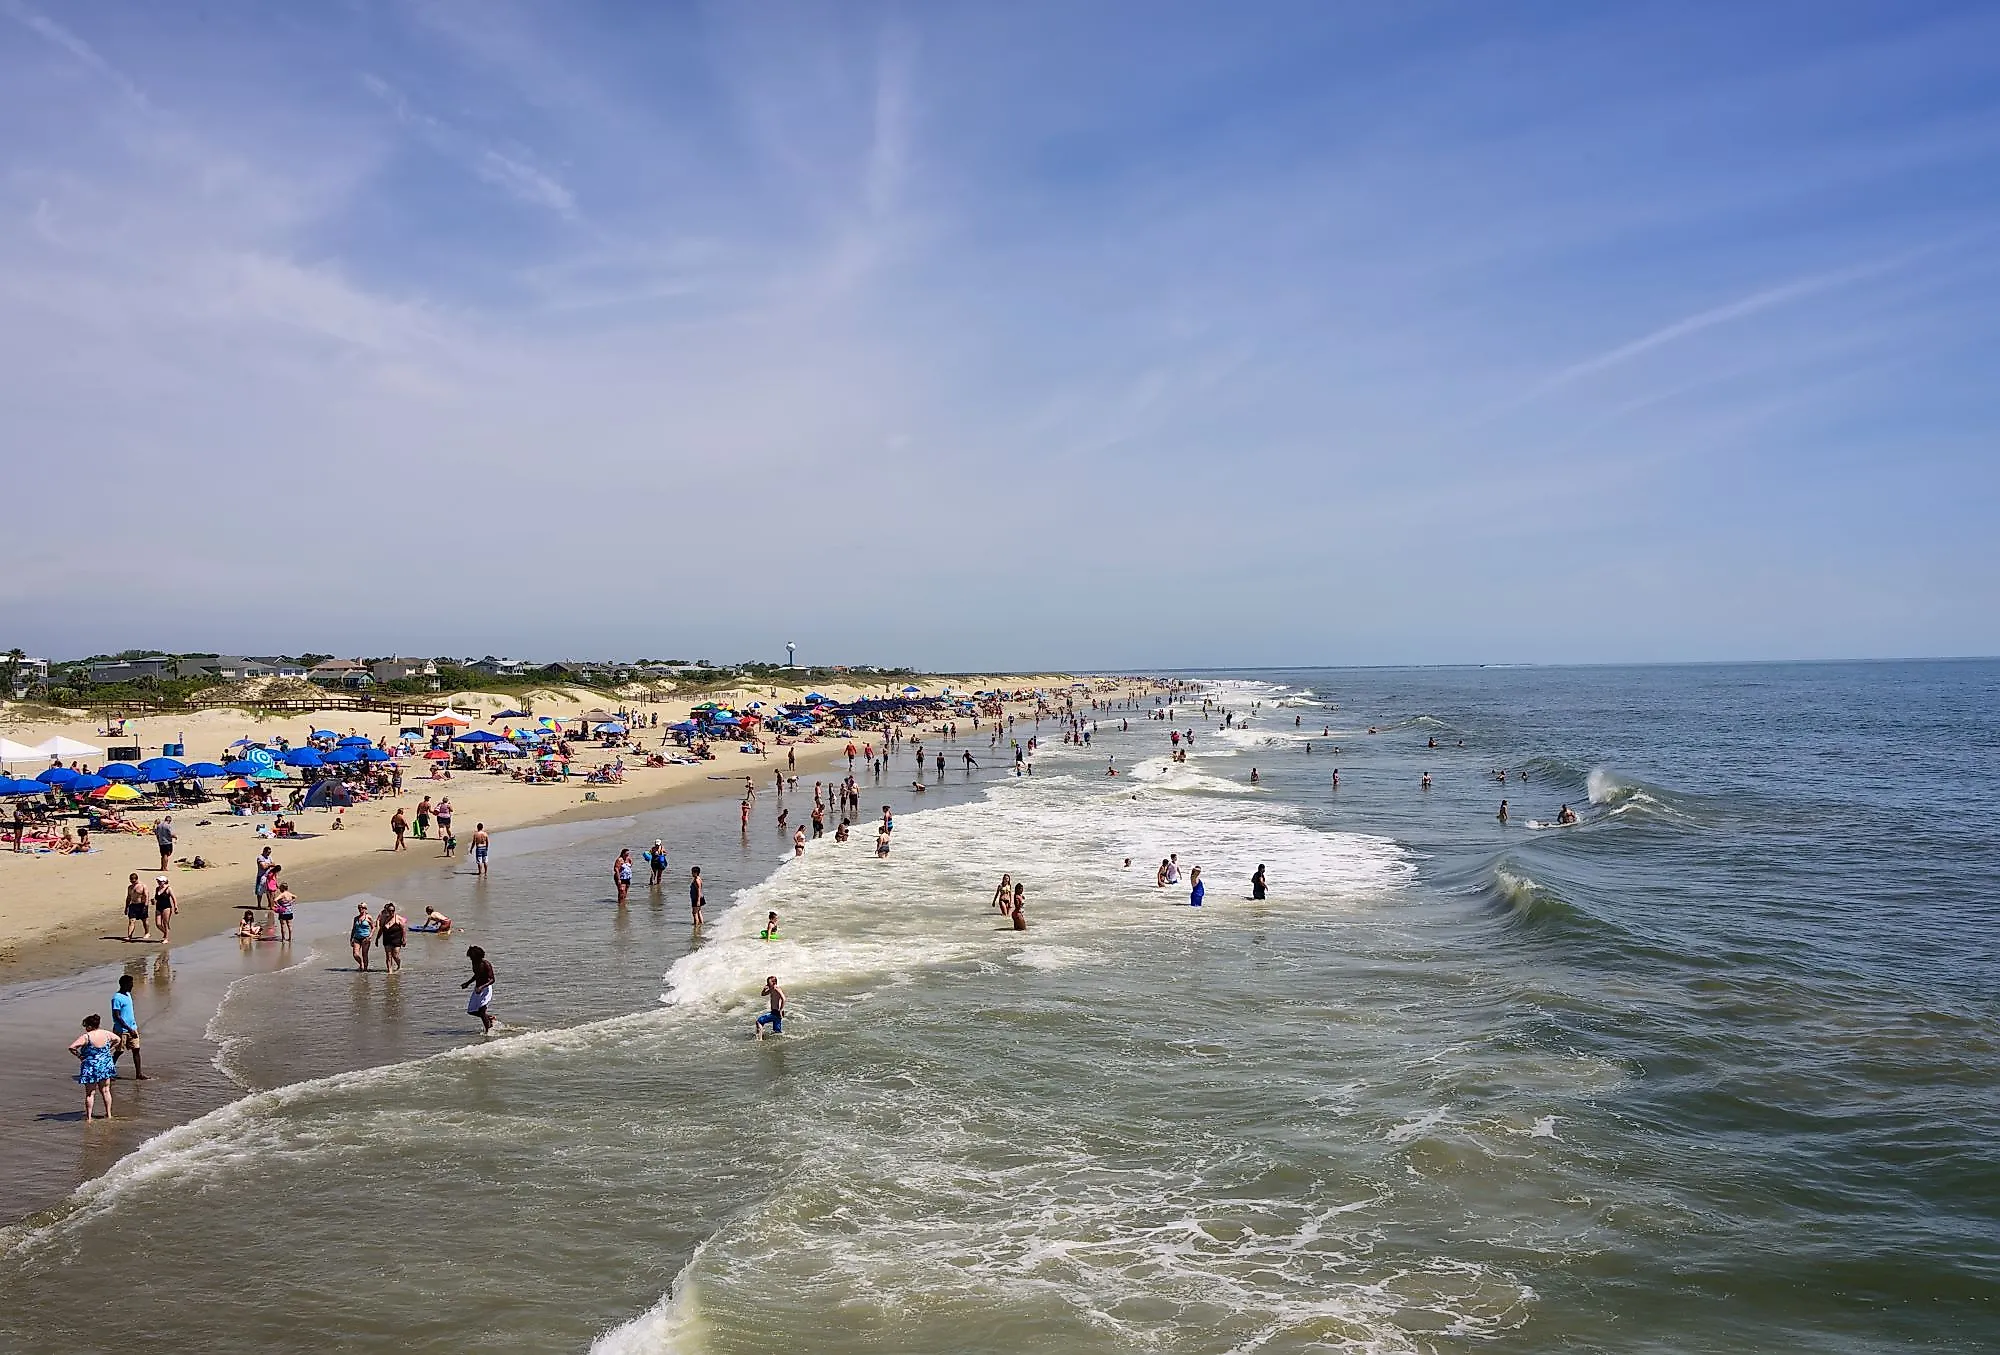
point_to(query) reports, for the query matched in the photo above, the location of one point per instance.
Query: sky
(973, 336)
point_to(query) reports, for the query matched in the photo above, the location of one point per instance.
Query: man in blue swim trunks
(481, 840)
(774, 1018)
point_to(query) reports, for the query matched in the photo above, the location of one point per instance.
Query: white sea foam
(673, 1326)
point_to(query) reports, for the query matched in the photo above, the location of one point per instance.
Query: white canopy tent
(62, 747)
(18, 752)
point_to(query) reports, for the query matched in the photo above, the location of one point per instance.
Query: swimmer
(1336, 778)
(1254, 778)
(1257, 883)
(1197, 890)
(1427, 780)
(799, 842)
(1003, 891)
(1160, 876)
(1568, 815)
(1019, 912)
(775, 1017)
(770, 932)
(1502, 816)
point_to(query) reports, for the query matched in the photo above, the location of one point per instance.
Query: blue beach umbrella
(324, 734)
(83, 785)
(241, 767)
(612, 728)
(684, 727)
(118, 771)
(162, 768)
(356, 741)
(480, 736)
(374, 755)
(302, 757)
(245, 742)
(10, 786)
(341, 755)
(511, 715)
(58, 776)
(206, 769)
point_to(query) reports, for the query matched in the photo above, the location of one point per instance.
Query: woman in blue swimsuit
(361, 936)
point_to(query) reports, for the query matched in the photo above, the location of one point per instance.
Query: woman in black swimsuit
(395, 931)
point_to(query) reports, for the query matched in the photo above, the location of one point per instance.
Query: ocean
(1712, 1069)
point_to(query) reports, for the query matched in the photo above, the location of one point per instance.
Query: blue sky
(977, 336)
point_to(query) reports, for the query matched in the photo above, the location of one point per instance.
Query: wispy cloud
(48, 29)
(512, 170)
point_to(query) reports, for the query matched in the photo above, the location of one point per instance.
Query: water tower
(790, 649)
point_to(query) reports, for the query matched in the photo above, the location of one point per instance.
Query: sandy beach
(62, 913)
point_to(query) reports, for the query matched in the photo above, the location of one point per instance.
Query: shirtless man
(481, 841)
(775, 1017)
(138, 909)
(696, 897)
(480, 1004)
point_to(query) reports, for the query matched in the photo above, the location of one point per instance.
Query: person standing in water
(395, 933)
(1003, 892)
(775, 1017)
(1502, 816)
(480, 1004)
(1019, 909)
(360, 936)
(1257, 884)
(657, 860)
(481, 840)
(1198, 890)
(125, 1024)
(621, 874)
(97, 1050)
(770, 932)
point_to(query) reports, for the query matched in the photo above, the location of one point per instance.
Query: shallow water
(1711, 1070)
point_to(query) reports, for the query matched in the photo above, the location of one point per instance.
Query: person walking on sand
(163, 834)
(262, 883)
(164, 907)
(97, 1051)
(138, 909)
(480, 1003)
(399, 826)
(443, 812)
(696, 896)
(125, 1025)
(775, 1017)
(395, 934)
(423, 818)
(481, 841)
(621, 874)
(360, 936)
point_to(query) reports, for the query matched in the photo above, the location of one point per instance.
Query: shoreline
(212, 906)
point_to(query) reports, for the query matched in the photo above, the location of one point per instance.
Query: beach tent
(684, 727)
(118, 771)
(206, 769)
(913, 691)
(58, 776)
(328, 793)
(62, 747)
(510, 715)
(17, 752)
(480, 736)
(303, 757)
(814, 698)
(449, 718)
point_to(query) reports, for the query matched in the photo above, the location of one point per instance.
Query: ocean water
(1712, 1070)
